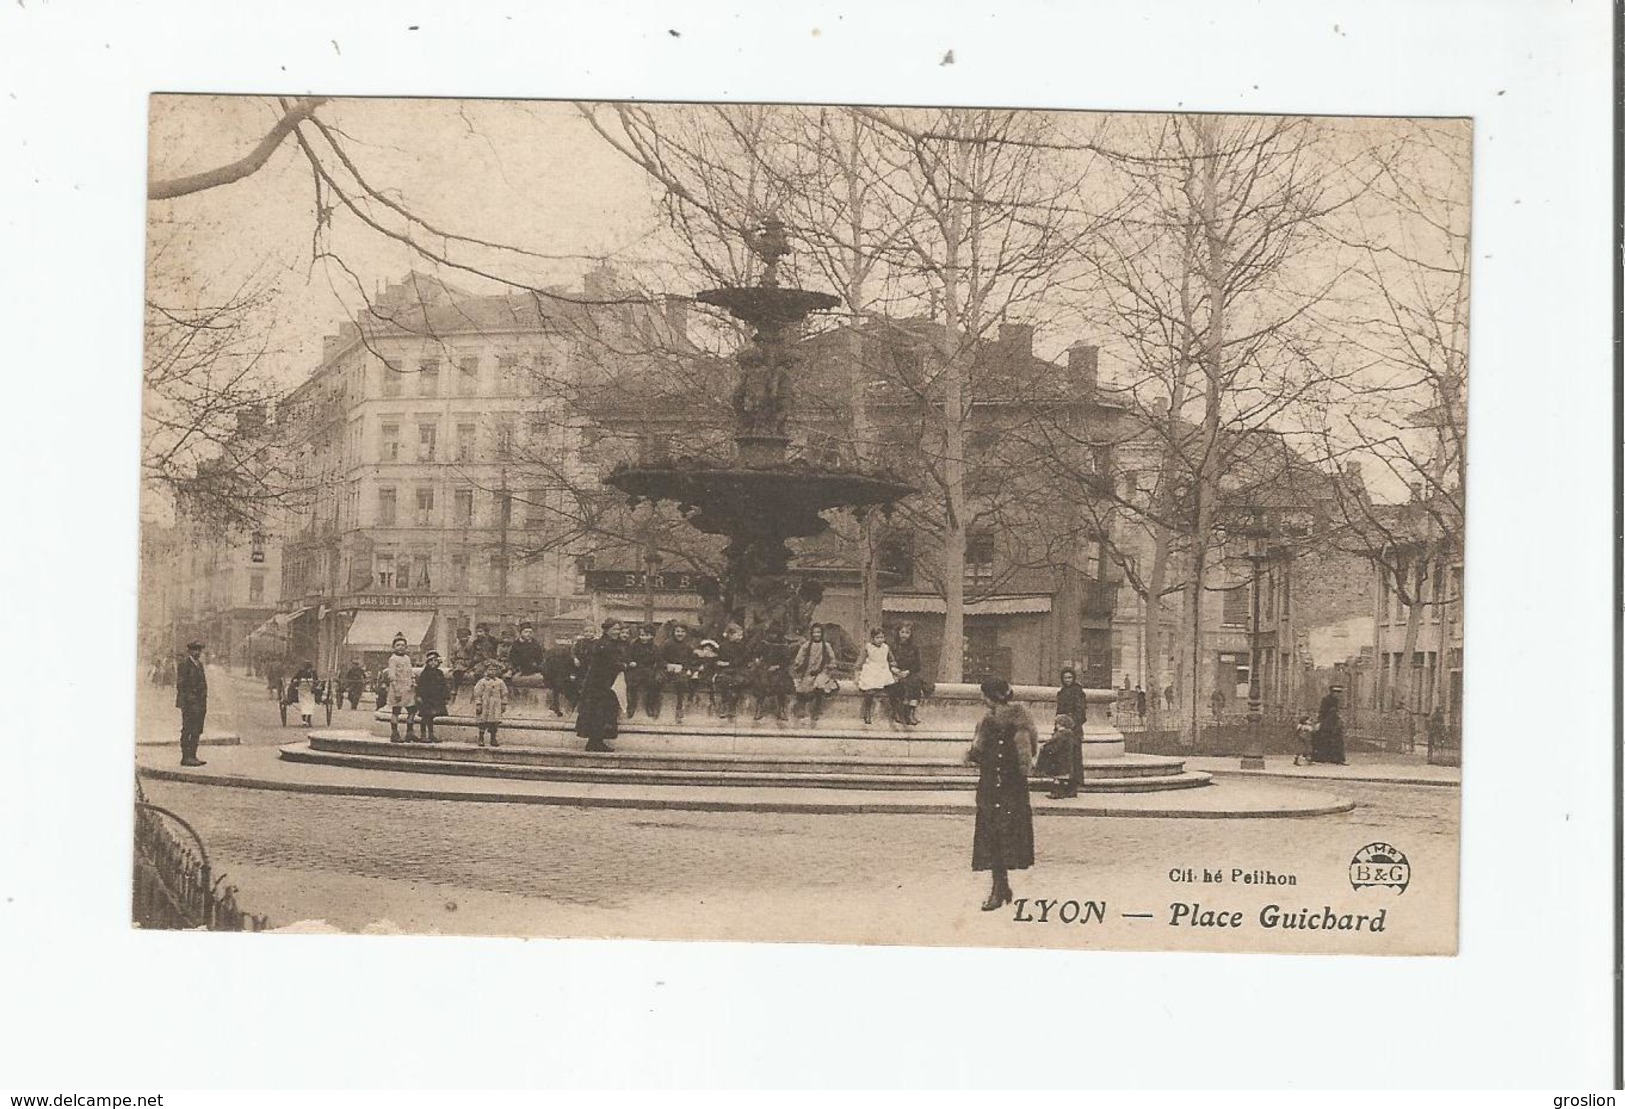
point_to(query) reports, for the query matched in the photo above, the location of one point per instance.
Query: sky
(532, 174)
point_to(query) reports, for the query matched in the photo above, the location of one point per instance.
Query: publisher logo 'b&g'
(1380, 864)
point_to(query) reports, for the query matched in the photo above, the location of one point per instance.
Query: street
(502, 869)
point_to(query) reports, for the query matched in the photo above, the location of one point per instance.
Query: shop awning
(283, 619)
(992, 606)
(374, 630)
(268, 628)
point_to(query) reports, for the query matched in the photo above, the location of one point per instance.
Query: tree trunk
(951, 664)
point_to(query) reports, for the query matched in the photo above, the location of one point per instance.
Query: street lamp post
(1257, 553)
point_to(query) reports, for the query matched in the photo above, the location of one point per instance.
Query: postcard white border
(1526, 1001)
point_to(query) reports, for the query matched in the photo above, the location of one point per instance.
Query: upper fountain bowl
(768, 304)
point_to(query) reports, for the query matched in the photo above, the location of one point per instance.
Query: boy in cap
(434, 694)
(399, 680)
(525, 656)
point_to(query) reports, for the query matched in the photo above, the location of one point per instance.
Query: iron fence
(174, 885)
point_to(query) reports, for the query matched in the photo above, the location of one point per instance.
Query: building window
(465, 442)
(536, 508)
(459, 573)
(384, 569)
(426, 441)
(425, 517)
(389, 442)
(1235, 607)
(256, 587)
(499, 573)
(504, 509)
(508, 371)
(420, 574)
(429, 377)
(979, 558)
(502, 439)
(897, 559)
(386, 508)
(462, 506)
(392, 379)
(468, 377)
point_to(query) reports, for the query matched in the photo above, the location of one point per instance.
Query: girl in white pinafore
(875, 672)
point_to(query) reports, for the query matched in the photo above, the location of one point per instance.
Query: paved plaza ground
(427, 866)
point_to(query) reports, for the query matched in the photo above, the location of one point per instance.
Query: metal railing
(174, 885)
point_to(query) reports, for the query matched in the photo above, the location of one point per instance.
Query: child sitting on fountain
(490, 702)
(1061, 758)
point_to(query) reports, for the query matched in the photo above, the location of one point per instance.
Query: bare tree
(1405, 415)
(1207, 282)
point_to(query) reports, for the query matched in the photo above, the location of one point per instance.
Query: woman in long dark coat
(1003, 752)
(1328, 741)
(598, 713)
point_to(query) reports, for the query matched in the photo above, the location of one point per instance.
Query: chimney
(1018, 337)
(251, 419)
(330, 346)
(1083, 364)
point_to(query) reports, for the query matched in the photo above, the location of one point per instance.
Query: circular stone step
(1139, 773)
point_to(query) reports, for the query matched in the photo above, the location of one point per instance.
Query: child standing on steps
(490, 702)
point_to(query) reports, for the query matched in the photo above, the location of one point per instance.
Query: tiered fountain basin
(840, 753)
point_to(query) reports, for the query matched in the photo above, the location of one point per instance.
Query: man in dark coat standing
(192, 698)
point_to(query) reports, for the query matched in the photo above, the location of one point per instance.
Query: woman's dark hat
(997, 689)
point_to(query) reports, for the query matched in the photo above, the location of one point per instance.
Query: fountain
(762, 498)
(759, 500)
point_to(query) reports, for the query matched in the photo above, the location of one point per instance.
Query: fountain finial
(769, 243)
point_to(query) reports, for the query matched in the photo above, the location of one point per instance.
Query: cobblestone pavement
(437, 866)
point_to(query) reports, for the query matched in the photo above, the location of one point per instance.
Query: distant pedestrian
(1140, 702)
(355, 682)
(1216, 700)
(599, 713)
(1070, 699)
(192, 698)
(275, 674)
(1168, 696)
(434, 694)
(303, 692)
(1061, 758)
(1328, 746)
(875, 674)
(399, 678)
(490, 702)
(1002, 752)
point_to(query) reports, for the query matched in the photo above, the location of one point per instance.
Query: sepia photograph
(796, 522)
